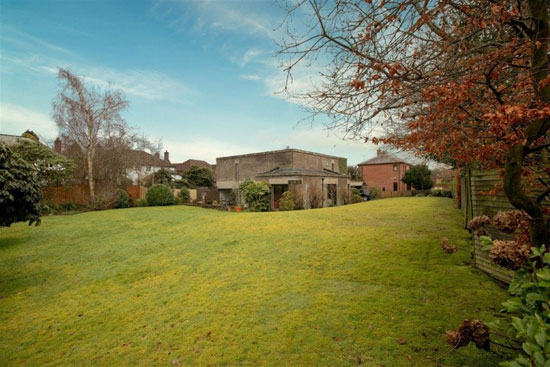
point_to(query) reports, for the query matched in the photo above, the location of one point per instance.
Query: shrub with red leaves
(510, 254)
(479, 222)
(471, 331)
(447, 247)
(508, 222)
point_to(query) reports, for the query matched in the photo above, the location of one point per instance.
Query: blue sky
(203, 76)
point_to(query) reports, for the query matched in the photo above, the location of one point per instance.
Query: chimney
(157, 155)
(378, 152)
(167, 156)
(57, 145)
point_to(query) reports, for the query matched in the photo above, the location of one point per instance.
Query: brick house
(385, 171)
(316, 180)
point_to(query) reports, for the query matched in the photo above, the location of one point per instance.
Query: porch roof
(282, 172)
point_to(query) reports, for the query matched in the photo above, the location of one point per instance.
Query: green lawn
(186, 286)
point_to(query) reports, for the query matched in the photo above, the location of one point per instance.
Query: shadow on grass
(11, 241)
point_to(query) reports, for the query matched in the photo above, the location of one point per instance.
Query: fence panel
(475, 185)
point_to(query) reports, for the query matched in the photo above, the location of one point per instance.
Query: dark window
(236, 172)
(383, 189)
(333, 166)
(395, 186)
(395, 167)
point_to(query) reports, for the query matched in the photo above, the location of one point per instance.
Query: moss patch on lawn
(186, 286)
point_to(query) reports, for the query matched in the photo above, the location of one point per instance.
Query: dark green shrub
(20, 194)
(163, 176)
(355, 191)
(199, 177)
(159, 195)
(69, 206)
(184, 195)
(122, 199)
(141, 203)
(286, 202)
(355, 198)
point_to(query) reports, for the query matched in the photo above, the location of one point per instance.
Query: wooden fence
(474, 201)
(76, 194)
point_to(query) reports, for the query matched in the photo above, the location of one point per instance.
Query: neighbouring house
(385, 171)
(145, 164)
(316, 180)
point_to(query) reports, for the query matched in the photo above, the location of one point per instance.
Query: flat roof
(289, 150)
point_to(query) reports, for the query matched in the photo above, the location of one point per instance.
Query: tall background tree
(419, 177)
(462, 81)
(87, 116)
(199, 177)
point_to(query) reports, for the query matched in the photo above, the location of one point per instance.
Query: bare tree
(86, 115)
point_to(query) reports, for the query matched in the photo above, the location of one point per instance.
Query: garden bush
(355, 198)
(286, 202)
(122, 199)
(256, 194)
(159, 195)
(184, 195)
(141, 203)
(374, 191)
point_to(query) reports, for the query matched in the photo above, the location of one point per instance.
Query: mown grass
(186, 286)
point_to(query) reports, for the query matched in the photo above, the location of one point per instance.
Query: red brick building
(385, 171)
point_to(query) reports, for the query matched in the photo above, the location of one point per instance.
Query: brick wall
(383, 176)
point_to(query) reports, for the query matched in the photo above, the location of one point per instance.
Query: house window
(333, 167)
(383, 189)
(395, 186)
(395, 167)
(236, 172)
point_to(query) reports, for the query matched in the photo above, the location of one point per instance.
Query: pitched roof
(383, 158)
(184, 166)
(277, 172)
(146, 159)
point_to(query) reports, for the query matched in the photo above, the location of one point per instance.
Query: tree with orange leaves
(465, 81)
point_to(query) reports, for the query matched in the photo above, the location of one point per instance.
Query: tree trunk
(538, 230)
(90, 161)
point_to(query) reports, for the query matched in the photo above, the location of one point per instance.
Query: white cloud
(251, 77)
(139, 83)
(30, 42)
(220, 15)
(16, 119)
